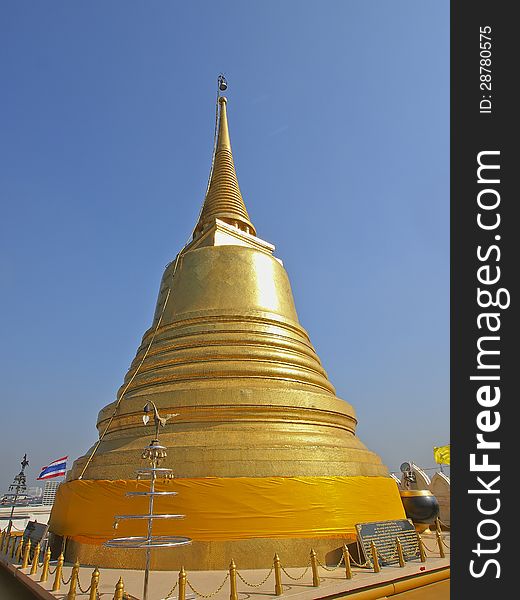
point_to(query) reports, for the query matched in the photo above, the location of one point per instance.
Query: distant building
(49, 492)
(35, 493)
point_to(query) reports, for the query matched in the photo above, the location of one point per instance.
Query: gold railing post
(278, 587)
(400, 553)
(346, 557)
(57, 577)
(375, 559)
(73, 581)
(182, 583)
(438, 524)
(439, 543)
(314, 566)
(7, 544)
(46, 561)
(422, 553)
(26, 550)
(233, 594)
(94, 584)
(19, 549)
(36, 559)
(120, 590)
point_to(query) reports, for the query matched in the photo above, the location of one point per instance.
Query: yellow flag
(441, 454)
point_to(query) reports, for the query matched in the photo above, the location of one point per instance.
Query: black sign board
(35, 532)
(384, 535)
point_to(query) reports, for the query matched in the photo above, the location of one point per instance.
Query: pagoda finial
(223, 198)
(223, 140)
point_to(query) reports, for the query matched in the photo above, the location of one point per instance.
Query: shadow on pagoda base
(254, 553)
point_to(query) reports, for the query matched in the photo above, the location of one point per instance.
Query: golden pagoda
(265, 454)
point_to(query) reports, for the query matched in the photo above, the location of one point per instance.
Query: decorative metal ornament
(409, 477)
(154, 453)
(222, 83)
(17, 488)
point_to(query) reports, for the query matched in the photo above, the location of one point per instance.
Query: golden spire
(223, 198)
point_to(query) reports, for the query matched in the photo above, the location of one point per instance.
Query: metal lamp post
(154, 453)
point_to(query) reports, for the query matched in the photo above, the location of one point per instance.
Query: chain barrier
(63, 579)
(197, 593)
(444, 524)
(429, 549)
(366, 565)
(330, 568)
(81, 589)
(169, 594)
(413, 553)
(255, 585)
(387, 558)
(296, 578)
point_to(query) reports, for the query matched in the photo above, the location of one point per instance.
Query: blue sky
(339, 119)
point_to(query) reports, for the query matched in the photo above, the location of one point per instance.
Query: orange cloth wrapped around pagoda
(230, 508)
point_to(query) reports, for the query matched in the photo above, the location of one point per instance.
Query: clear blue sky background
(339, 118)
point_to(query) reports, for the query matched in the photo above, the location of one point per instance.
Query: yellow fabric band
(228, 508)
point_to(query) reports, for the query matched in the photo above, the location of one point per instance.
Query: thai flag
(55, 469)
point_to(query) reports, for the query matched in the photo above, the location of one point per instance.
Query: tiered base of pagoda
(247, 554)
